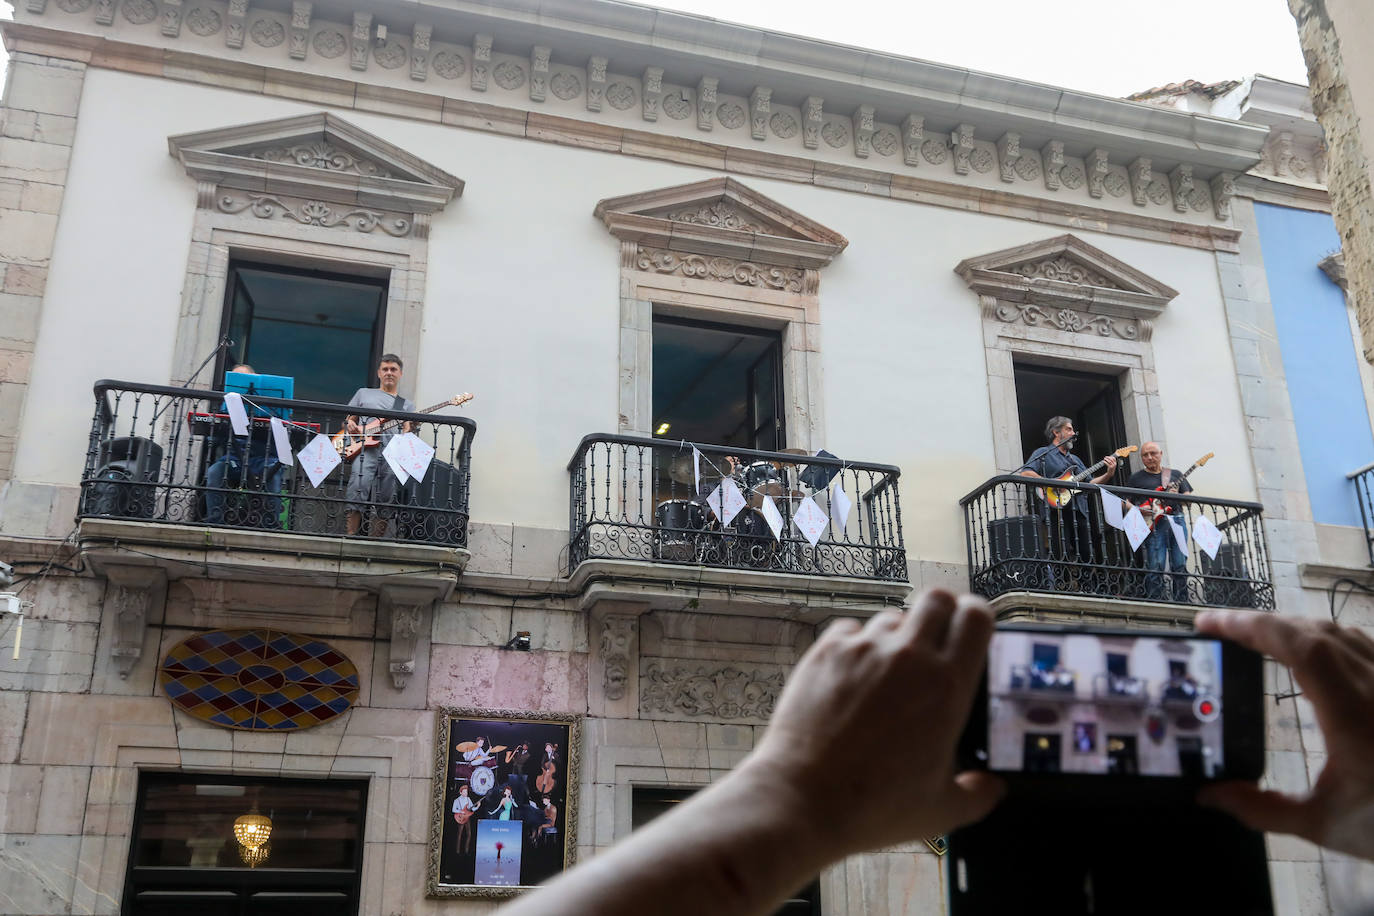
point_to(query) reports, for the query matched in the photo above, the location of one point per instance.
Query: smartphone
(1095, 710)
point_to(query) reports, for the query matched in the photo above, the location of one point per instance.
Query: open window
(1091, 400)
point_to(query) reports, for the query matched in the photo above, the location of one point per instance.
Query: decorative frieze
(1063, 269)
(1141, 175)
(481, 62)
(913, 135)
(1008, 154)
(1181, 183)
(315, 213)
(508, 74)
(760, 105)
(863, 130)
(419, 52)
(596, 83)
(708, 691)
(539, 72)
(1098, 168)
(362, 39)
(962, 146)
(813, 119)
(721, 214)
(721, 270)
(706, 102)
(322, 155)
(300, 29)
(1068, 320)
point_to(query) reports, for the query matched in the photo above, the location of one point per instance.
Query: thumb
(973, 796)
(1259, 809)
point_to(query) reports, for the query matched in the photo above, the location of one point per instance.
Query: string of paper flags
(1205, 534)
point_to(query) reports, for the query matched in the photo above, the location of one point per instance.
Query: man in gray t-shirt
(372, 482)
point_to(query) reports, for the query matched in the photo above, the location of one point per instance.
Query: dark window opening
(322, 329)
(717, 384)
(1121, 755)
(649, 802)
(1091, 401)
(191, 849)
(1044, 656)
(1117, 664)
(1041, 753)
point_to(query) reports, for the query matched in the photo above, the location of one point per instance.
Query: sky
(1108, 47)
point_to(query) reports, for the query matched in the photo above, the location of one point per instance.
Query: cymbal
(680, 469)
(465, 746)
(499, 747)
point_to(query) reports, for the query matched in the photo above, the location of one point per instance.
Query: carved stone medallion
(267, 32)
(935, 151)
(1072, 176)
(566, 85)
(677, 105)
(1158, 190)
(784, 125)
(620, 95)
(1199, 199)
(1028, 166)
(449, 65)
(1115, 183)
(329, 43)
(509, 75)
(834, 133)
(885, 143)
(982, 160)
(204, 21)
(730, 115)
(392, 54)
(139, 12)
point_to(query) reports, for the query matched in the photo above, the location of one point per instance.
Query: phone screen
(1147, 704)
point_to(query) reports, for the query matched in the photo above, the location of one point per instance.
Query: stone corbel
(171, 18)
(863, 131)
(1181, 182)
(760, 104)
(706, 102)
(419, 52)
(481, 62)
(1098, 168)
(361, 42)
(1334, 268)
(596, 83)
(1053, 155)
(104, 12)
(1141, 175)
(652, 95)
(37, 6)
(410, 608)
(132, 595)
(237, 18)
(539, 72)
(615, 658)
(619, 647)
(1223, 185)
(813, 116)
(1281, 153)
(913, 135)
(961, 144)
(300, 29)
(1008, 151)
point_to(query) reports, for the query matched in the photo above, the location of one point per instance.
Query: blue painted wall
(1319, 358)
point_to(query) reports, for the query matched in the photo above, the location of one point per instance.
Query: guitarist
(1161, 549)
(372, 481)
(1070, 529)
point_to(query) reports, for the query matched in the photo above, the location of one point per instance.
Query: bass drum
(751, 541)
(482, 780)
(680, 525)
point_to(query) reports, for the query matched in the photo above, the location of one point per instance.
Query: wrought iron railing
(1018, 543)
(635, 498)
(1364, 494)
(165, 454)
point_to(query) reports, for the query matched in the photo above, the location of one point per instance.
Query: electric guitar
(1154, 509)
(350, 445)
(1059, 497)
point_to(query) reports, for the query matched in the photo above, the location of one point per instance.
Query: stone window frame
(1063, 303)
(311, 191)
(717, 250)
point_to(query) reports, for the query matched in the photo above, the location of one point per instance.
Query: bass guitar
(350, 445)
(1059, 497)
(1155, 509)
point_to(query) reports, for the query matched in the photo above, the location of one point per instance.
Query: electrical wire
(1353, 586)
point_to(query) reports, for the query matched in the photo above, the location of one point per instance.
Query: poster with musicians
(505, 798)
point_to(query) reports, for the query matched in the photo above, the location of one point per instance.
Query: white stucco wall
(522, 308)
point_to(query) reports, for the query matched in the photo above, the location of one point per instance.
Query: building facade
(648, 244)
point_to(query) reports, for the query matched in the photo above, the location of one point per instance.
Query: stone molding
(728, 693)
(1334, 268)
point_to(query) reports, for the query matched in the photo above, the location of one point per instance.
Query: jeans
(1161, 551)
(245, 506)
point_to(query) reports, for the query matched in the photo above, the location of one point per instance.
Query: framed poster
(505, 800)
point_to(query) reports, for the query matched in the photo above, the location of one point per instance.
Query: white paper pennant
(840, 504)
(238, 417)
(1206, 535)
(318, 458)
(393, 455)
(726, 501)
(810, 519)
(282, 442)
(1180, 535)
(772, 516)
(696, 469)
(1111, 510)
(1136, 528)
(415, 454)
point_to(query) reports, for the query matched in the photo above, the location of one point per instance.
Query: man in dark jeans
(1070, 529)
(1161, 547)
(248, 463)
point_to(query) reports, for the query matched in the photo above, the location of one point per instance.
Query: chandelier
(256, 855)
(252, 829)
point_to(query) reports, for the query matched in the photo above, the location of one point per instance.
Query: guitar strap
(399, 403)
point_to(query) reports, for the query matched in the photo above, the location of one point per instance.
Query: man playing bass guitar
(1161, 547)
(1070, 530)
(372, 481)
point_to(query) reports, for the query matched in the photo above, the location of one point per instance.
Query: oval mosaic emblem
(258, 679)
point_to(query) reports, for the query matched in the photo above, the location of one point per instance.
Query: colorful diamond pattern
(217, 677)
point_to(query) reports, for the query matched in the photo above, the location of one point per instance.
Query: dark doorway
(1041, 753)
(1117, 664)
(1121, 755)
(1190, 761)
(717, 384)
(1092, 401)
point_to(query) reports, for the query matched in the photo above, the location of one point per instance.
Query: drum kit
(480, 777)
(686, 530)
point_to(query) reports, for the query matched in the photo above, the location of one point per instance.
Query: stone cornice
(346, 94)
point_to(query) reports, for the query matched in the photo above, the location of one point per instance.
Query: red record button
(1206, 709)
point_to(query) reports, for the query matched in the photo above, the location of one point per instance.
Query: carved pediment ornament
(1067, 284)
(721, 218)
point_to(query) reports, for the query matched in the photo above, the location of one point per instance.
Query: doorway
(1091, 400)
(1122, 759)
(1041, 753)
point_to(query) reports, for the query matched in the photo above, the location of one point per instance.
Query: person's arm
(1106, 475)
(1036, 456)
(1334, 666)
(718, 852)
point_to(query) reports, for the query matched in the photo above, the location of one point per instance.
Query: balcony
(1364, 494)
(1029, 682)
(636, 513)
(1019, 557)
(1120, 690)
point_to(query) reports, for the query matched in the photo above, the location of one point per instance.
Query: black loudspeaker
(428, 511)
(1232, 586)
(1013, 545)
(124, 485)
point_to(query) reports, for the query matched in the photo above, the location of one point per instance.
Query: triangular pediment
(720, 216)
(318, 155)
(1066, 270)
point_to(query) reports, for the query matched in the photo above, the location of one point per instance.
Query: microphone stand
(224, 344)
